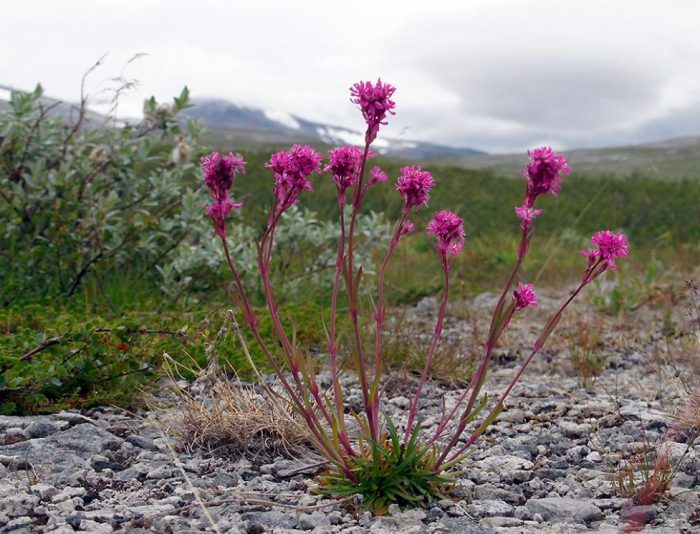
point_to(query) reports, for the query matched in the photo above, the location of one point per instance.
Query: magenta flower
(447, 227)
(291, 168)
(610, 246)
(406, 228)
(375, 102)
(344, 166)
(543, 173)
(218, 211)
(527, 214)
(414, 184)
(524, 296)
(378, 176)
(219, 172)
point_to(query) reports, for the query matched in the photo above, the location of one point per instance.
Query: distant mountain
(671, 159)
(232, 122)
(245, 128)
(67, 110)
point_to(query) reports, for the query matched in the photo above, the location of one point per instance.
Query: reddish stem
(477, 380)
(353, 304)
(380, 314)
(307, 413)
(431, 353)
(332, 339)
(264, 259)
(538, 345)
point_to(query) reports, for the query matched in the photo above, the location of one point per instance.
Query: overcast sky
(496, 75)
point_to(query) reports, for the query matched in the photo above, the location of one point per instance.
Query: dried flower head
(219, 172)
(375, 102)
(291, 169)
(98, 155)
(415, 184)
(449, 230)
(524, 296)
(543, 173)
(182, 152)
(608, 246)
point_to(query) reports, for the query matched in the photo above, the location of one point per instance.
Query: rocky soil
(546, 466)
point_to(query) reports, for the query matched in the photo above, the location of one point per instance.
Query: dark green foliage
(53, 358)
(388, 472)
(650, 211)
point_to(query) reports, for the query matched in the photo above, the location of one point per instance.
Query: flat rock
(490, 492)
(16, 503)
(564, 509)
(60, 455)
(15, 435)
(506, 466)
(40, 429)
(465, 525)
(489, 508)
(312, 521)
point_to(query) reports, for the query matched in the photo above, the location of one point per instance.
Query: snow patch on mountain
(335, 135)
(283, 118)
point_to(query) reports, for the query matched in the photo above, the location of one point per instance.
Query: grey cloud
(509, 74)
(564, 98)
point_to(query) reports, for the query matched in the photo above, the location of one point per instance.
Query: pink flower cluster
(219, 172)
(527, 214)
(375, 102)
(344, 165)
(406, 228)
(414, 184)
(291, 169)
(449, 230)
(378, 176)
(609, 246)
(543, 172)
(524, 296)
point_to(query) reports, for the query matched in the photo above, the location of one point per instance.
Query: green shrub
(86, 196)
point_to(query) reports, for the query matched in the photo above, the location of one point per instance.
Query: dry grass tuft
(232, 418)
(223, 415)
(586, 346)
(686, 420)
(646, 477)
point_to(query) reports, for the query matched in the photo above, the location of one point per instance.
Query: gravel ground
(544, 467)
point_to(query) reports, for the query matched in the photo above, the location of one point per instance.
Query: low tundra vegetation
(103, 231)
(387, 462)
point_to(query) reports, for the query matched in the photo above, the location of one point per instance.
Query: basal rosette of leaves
(384, 463)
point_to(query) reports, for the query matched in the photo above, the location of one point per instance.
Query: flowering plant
(376, 459)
